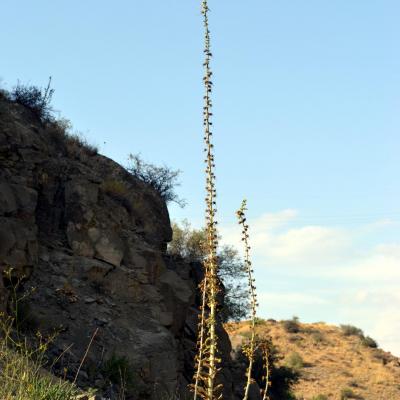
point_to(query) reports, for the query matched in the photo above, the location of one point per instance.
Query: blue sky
(306, 128)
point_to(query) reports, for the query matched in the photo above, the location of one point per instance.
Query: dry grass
(334, 365)
(22, 374)
(73, 143)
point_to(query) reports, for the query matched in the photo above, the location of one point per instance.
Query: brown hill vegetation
(334, 362)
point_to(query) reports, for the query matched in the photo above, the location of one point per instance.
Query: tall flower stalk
(207, 360)
(265, 351)
(249, 349)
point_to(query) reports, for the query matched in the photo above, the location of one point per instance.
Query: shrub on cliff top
(161, 178)
(38, 100)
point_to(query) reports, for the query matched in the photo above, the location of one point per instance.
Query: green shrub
(162, 179)
(369, 342)
(292, 325)
(295, 361)
(347, 393)
(318, 337)
(35, 99)
(320, 397)
(350, 330)
(118, 370)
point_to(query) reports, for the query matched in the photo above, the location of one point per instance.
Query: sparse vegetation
(295, 361)
(118, 370)
(77, 144)
(60, 129)
(320, 397)
(318, 337)
(351, 330)
(35, 99)
(292, 325)
(22, 373)
(348, 393)
(162, 179)
(381, 356)
(367, 341)
(74, 143)
(25, 367)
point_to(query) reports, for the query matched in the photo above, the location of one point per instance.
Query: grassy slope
(332, 361)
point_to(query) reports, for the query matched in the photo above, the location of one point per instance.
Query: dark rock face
(96, 259)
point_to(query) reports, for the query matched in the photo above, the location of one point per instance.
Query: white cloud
(262, 228)
(308, 245)
(379, 264)
(290, 298)
(273, 242)
(376, 311)
(387, 328)
(272, 221)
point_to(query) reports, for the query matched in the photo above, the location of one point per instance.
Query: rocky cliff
(90, 239)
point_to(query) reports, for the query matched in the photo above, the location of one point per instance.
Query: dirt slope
(332, 362)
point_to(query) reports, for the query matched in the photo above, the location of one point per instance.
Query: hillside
(329, 361)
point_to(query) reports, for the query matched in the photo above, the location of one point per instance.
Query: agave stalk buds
(249, 349)
(265, 351)
(207, 360)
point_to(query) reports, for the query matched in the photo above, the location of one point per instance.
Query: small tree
(163, 179)
(189, 243)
